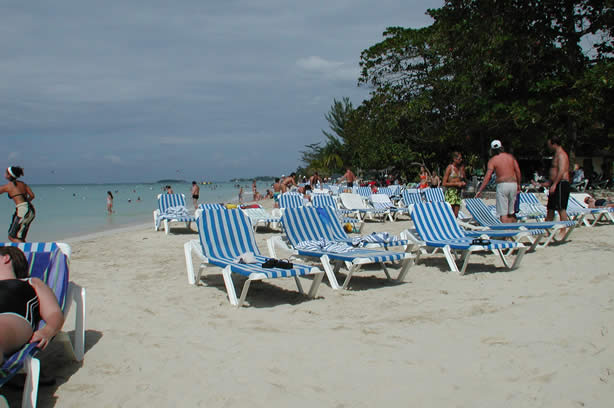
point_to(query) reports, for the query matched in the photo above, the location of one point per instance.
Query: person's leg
(14, 333)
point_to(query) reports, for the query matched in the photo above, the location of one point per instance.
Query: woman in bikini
(23, 303)
(22, 195)
(454, 181)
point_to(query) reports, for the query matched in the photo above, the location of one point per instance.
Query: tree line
(515, 70)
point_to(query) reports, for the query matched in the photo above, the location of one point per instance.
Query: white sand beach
(538, 336)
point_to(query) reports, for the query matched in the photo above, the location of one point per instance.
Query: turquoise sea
(71, 210)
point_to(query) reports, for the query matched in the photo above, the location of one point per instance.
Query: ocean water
(71, 210)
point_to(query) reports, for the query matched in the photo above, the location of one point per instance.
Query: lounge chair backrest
(211, 206)
(323, 200)
(575, 205)
(225, 234)
(529, 198)
(436, 221)
(480, 211)
(411, 198)
(363, 191)
(166, 201)
(352, 201)
(328, 216)
(291, 200)
(304, 224)
(385, 190)
(381, 201)
(433, 195)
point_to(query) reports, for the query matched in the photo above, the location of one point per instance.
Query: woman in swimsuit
(22, 195)
(453, 180)
(23, 303)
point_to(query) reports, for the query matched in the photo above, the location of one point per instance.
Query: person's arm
(518, 175)
(446, 175)
(50, 312)
(487, 177)
(30, 193)
(3, 189)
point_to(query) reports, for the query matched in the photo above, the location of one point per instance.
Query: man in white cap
(506, 168)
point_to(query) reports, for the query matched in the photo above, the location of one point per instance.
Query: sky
(137, 91)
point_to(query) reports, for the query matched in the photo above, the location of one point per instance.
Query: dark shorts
(350, 184)
(195, 196)
(20, 224)
(558, 200)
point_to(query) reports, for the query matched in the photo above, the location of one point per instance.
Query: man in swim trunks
(559, 181)
(276, 192)
(349, 177)
(506, 168)
(23, 303)
(195, 194)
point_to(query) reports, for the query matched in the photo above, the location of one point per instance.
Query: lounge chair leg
(317, 279)
(385, 268)
(405, 265)
(230, 287)
(187, 250)
(30, 390)
(298, 284)
(330, 273)
(351, 271)
(77, 294)
(166, 227)
(450, 258)
(465, 261)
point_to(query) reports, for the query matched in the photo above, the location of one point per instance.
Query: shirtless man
(559, 181)
(276, 192)
(349, 177)
(314, 180)
(288, 182)
(195, 194)
(506, 168)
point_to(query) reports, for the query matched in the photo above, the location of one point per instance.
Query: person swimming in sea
(22, 196)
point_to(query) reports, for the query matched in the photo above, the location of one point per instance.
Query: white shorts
(506, 198)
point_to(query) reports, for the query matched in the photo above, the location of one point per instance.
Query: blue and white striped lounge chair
(357, 206)
(383, 202)
(291, 200)
(49, 262)
(438, 228)
(481, 213)
(211, 206)
(171, 208)
(576, 203)
(385, 190)
(531, 207)
(364, 192)
(307, 236)
(325, 200)
(433, 195)
(259, 216)
(410, 198)
(226, 236)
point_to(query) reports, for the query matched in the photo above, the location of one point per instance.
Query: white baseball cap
(495, 144)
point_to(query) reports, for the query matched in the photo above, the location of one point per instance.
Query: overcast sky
(121, 91)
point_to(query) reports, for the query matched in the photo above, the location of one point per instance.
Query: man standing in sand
(559, 181)
(315, 180)
(195, 194)
(505, 166)
(349, 177)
